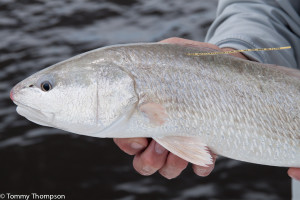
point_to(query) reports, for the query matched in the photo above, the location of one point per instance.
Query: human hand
(151, 157)
(294, 173)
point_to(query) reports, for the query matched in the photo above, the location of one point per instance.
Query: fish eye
(46, 86)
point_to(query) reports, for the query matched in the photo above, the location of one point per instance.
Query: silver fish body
(239, 109)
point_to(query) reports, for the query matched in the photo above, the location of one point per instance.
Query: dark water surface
(35, 34)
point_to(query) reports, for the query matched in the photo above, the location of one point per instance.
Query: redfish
(236, 108)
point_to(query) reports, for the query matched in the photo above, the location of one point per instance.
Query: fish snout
(15, 91)
(11, 94)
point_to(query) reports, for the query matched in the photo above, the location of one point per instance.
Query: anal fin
(191, 149)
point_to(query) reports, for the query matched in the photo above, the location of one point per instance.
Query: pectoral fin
(156, 113)
(191, 149)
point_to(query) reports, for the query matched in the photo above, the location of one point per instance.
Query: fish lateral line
(240, 50)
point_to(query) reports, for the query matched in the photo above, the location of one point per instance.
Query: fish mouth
(34, 115)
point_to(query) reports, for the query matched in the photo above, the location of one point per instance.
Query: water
(35, 34)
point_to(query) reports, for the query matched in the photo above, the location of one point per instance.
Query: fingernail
(147, 170)
(136, 145)
(167, 174)
(159, 149)
(203, 172)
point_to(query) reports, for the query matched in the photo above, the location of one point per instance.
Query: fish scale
(260, 105)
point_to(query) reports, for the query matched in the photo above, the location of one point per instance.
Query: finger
(294, 173)
(176, 40)
(152, 159)
(205, 171)
(173, 166)
(131, 146)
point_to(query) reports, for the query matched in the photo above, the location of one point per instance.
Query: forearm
(256, 24)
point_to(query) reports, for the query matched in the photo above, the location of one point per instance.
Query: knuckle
(124, 146)
(119, 142)
(174, 38)
(116, 141)
(176, 162)
(148, 161)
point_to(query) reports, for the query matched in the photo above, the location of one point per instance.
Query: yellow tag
(237, 51)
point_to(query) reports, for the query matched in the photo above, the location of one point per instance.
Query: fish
(191, 105)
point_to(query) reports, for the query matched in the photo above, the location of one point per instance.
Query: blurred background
(35, 34)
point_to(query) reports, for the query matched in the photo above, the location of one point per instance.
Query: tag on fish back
(237, 51)
(191, 149)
